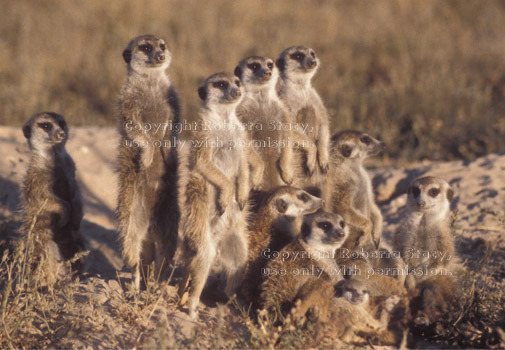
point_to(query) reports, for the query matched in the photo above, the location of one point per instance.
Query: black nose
(267, 73)
(160, 57)
(421, 204)
(236, 93)
(60, 135)
(312, 63)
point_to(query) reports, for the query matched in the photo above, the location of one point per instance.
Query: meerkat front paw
(286, 175)
(147, 156)
(311, 160)
(224, 198)
(323, 160)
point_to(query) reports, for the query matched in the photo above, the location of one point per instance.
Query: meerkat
(147, 209)
(424, 239)
(305, 269)
(52, 204)
(349, 189)
(278, 220)
(216, 192)
(361, 314)
(263, 114)
(426, 243)
(297, 65)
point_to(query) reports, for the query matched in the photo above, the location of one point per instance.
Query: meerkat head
(324, 232)
(298, 63)
(221, 89)
(146, 54)
(292, 201)
(355, 291)
(257, 72)
(45, 131)
(352, 144)
(430, 195)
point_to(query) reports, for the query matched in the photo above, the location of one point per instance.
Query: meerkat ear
(450, 195)
(281, 64)
(346, 150)
(238, 72)
(202, 93)
(27, 130)
(281, 205)
(127, 55)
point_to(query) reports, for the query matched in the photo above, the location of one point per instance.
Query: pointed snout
(312, 63)
(236, 93)
(421, 204)
(60, 135)
(160, 57)
(267, 73)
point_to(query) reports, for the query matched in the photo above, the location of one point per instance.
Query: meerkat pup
(52, 204)
(147, 210)
(305, 269)
(424, 239)
(349, 189)
(297, 65)
(263, 114)
(278, 219)
(370, 316)
(216, 192)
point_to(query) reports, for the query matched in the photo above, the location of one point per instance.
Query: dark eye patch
(325, 225)
(433, 192)
(270, 65)
(220, 84)
(237, 82)
(253, 66)
(312, 54)
(146, 48)
(45, 126)
(304, 197)
(163, 47)
(416, 191)
(62, 124)
(366, 140)
(297, 56)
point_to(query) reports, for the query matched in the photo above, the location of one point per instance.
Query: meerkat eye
(416, 192)
(270, 65)
(253, 66)
(163, 47)
(304, 197)
(366, 140)
(220, 84)
(297, 56)
(325, 225)
(312, 54)
(342, 224)
(146, 48)
(45, 126)
(237, 82)
(433, 192)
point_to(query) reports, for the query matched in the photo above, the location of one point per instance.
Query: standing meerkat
(297, 65)
(52, 204)
(263, 114)
(424, 239)
(278, 220)
(216, 190)
(306, 269)
(426, 244)
(148, 213)
(349, 189)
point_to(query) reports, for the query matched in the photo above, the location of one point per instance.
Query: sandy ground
(479, 187)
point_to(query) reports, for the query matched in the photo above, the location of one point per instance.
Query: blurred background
(427, 77)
